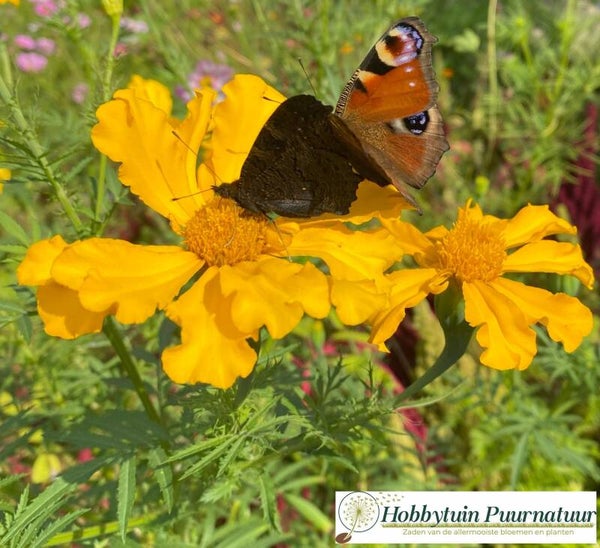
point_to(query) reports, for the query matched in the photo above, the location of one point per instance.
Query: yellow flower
(238, 263)
(473, 256)
(15, 2)
(113, 8)
(5, 175)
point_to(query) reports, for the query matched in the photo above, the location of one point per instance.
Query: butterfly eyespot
(417, 123)
(410, 32)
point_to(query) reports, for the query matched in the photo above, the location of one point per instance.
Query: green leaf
(126, 494)
(13, 249)
(14, 229)
(163, 474)
(268, 502)
(310, 512)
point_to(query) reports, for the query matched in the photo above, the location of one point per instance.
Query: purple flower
(182, 93)
(134, 26)
(31, 62)
(45, 46)
(79, 93)
(206, 74)
(24, 41)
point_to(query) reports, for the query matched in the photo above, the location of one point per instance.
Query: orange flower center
(472, 250)
(222, 233)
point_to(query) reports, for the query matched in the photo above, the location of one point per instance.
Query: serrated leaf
(57, 526)
(268, 502)
(126, 494)
(163, 474)
(25, 328)
(28, 518)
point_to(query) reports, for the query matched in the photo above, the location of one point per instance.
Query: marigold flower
(238, 263)
(473, 257)
(15, 2)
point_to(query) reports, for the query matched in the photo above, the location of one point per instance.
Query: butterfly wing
(297, 167)
(389, 105)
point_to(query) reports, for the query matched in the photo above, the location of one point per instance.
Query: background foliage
(260, 462)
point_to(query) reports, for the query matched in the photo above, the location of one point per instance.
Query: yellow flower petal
(237, 122)
(407, 236)
(356, 302)
(46, 467)
(156, 164)
(566, 319)
(350, 255)
(153, 91)
(409, 288)
(533, 223)
(504, 331)
(63, 314)
(274, 293)
(375, 201)
(35, 269)
(134, 280)
(551, 256)
(208, 353)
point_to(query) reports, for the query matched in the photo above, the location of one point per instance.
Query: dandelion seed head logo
(358, 512)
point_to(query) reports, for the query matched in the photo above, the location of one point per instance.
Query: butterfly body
(308, 160)
(297, 167)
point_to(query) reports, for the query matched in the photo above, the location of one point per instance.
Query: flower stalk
(113, 334)
(449, 308)
(31, 141)
(115, 17)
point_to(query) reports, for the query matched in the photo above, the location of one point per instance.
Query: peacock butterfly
(308, 160)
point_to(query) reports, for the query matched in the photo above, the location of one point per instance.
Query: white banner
(458, 517)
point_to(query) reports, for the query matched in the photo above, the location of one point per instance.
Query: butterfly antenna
(178, 137)
(307, 77)
(195, 153)
(280, 237)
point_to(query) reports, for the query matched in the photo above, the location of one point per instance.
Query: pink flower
(83, 20)
(46, 8)
(45, 46)
(24, 41)
(120, 49)
(134, 26)
(31, 62)
(79, 93)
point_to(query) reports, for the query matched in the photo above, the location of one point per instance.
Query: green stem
(492, 75)
(450, 310)
(31, 141)
(106, 92)
(457, 341)
(114, 336)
